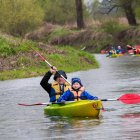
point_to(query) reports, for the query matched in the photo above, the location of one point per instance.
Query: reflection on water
(131, 115)
(120, 122)
(71, 127)
(74, 122)
(131, 125)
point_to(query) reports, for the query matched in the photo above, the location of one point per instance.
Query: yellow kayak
(82, 108)
(116, 55)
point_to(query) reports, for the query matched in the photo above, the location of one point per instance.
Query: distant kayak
(134, 50)
(130, 52)
(115, 55)
(82, 108)
(104, 52)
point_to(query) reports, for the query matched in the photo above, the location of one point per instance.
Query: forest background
(65, 32)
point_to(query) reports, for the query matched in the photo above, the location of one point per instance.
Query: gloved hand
(95, 98)
(63, 101)
(53, 70)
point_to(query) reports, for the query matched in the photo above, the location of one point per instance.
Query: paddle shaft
(61, 103)
(109, 99)
(51, 66)
(33, 104)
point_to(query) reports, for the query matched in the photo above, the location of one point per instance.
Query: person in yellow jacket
(58, 86)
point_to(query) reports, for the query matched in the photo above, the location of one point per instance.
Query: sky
(90, 1)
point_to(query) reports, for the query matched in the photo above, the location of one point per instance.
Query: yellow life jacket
(78, 93)
(57, 89)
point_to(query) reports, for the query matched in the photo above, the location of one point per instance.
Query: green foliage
(137, 11)
(59, 32)
(73, 60)
(23, 61)
(11, 46)
(29, 66)
(112, 26)
(59, 11)
(19, 16)
(95, 8)
(25, 72)
(5, 48)
(24, 46)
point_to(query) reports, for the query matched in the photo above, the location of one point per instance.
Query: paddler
(58, 86)
(76, 92)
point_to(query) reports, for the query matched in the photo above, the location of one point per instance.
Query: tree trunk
(79, 11)
(129, 12)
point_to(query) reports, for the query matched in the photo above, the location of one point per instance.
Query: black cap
(58, 73)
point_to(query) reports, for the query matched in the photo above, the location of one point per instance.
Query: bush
(20, 16)
(5, 48)
(112, 27)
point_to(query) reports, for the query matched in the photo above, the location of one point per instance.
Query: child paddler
(76, 92)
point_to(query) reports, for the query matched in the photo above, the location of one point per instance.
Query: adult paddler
(58, 86)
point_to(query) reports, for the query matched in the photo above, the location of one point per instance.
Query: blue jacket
(69, 96)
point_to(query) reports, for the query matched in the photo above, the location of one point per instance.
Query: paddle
(34, 104)
(51, 66)
(49, 103)
(129, 98)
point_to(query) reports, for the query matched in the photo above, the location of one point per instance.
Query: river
(116, 76)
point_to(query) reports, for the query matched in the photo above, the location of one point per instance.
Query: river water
(116, 76)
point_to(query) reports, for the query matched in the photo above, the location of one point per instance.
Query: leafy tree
(137, 9)
(19, 16)
(128, 7)
(59, 11)
(63, 11)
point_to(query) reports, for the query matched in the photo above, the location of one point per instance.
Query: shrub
(112, 26)
(19, 16)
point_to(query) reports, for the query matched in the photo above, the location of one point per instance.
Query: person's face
(60, 80)
(76, 85)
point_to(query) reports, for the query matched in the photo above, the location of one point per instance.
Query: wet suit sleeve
(44, 82)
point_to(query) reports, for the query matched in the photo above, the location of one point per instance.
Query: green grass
(70, 60)
(74, 60)
(13, 46)
(21, 73)
(112, 27)
(59, 32)
(5, 48)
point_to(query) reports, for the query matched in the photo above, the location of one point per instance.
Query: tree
(65, 11)
(128, 6)
(19, 16)
(59, 11)
(79, 12)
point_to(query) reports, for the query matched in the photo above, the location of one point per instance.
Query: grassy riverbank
(18, 60)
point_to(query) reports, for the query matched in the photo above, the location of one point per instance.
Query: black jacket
(44, 82)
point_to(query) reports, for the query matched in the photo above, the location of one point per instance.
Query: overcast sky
(90, 1)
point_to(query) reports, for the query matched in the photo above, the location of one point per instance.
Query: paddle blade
(130, 98)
